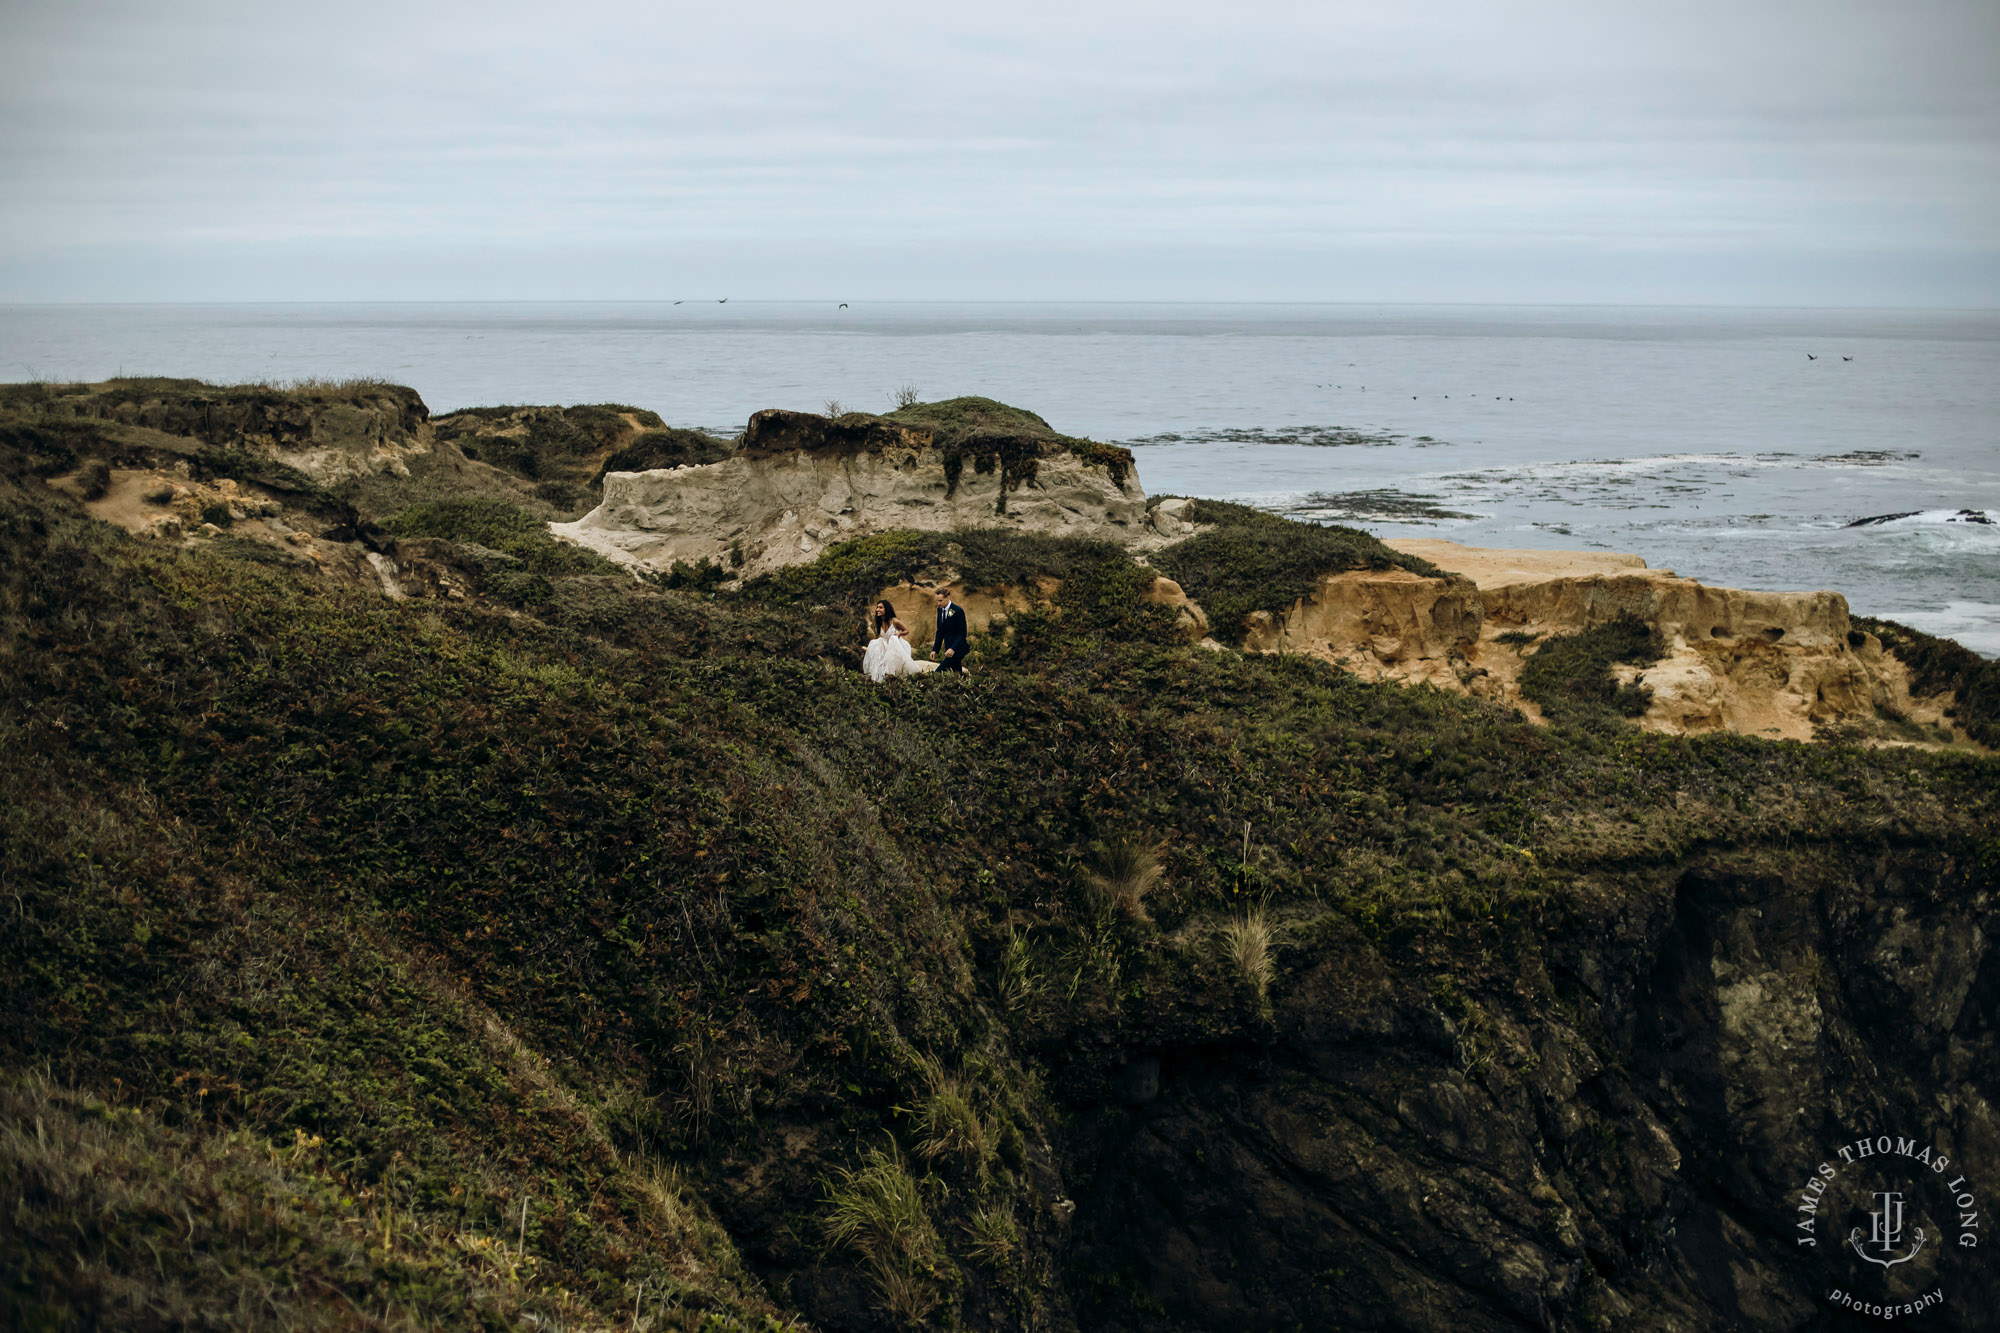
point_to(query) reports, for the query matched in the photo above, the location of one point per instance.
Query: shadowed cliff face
(1626, 1152)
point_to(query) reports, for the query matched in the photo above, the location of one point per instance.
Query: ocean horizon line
(999, 301)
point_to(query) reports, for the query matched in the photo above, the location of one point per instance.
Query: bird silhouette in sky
(1847, 358)
(843, 305)
(723, 301)
(677, 303)
(1811, 357)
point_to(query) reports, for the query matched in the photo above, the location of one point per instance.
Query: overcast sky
(1835, 152)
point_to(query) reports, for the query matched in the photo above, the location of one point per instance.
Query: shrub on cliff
(992, 434)
(499, 526)
(957, 421)
(546, 444)
(1937, 665)
(224, 414)
(1252, 561)
(673, 447)
(1569, 676)
(850, 573)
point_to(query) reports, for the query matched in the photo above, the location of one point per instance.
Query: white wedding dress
(889, 655)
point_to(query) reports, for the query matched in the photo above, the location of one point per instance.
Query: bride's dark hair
(888, 614)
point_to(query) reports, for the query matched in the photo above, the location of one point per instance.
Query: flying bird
(843, 305)
(723, 301)
(1811, 357)
(677, 303)
(1847, 358)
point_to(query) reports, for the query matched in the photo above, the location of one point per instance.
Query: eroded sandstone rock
(1774, 664)
(802, 482)
(329, 432)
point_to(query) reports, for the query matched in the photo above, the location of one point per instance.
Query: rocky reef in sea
(447, 886)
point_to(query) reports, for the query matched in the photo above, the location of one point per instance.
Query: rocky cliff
(802, 482)
(329, 431)
(355, 479)
(1775, 664)
(577, 951)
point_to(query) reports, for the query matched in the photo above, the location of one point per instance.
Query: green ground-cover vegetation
(1940, 666)
(1251, 561)
(565, 451)
(849, 573)
(1569, 676)
(498, 526)
(285, 413)
(676, 447)
(635, 958)
(506, 546)
(990, 434)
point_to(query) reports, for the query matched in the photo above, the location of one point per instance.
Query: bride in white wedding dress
(889, 651)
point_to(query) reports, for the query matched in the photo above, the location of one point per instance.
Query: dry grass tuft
(953, 1130)
(1017, 982)
(1124, 871)
(1246, 941)
(877, 1210)
(992, 1236)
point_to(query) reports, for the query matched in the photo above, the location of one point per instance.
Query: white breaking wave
(1973, 624)
(1968, 518)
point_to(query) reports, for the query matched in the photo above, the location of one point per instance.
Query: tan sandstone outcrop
(802, 482)
(329, 432)
(1775, 664)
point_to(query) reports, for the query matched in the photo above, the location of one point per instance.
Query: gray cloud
(1454, 150)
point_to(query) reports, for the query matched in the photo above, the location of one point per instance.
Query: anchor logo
(1886, 1233)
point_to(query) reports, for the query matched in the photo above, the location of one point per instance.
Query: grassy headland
(631, 961)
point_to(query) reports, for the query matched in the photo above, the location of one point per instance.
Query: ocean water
(1734, 446)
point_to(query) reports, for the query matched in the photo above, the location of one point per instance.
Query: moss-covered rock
(329, 413)
(1938, 666)
(560, 447)
(1249, 561)
(666, 448)
(992, 435)
(1569, 677)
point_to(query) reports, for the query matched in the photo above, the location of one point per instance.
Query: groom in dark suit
(949, 648)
